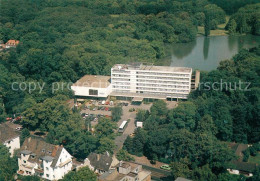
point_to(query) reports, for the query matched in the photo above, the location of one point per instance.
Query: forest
(193, 136)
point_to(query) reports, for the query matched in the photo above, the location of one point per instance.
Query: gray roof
(41, 150)
(7, 133)
(182, 179)
(100, 161)
(26, 152)
(47, 158)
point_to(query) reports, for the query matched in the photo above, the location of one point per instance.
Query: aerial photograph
(129, 90)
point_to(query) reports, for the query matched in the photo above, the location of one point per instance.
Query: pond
(205, 53)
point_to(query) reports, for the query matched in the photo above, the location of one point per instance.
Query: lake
(205, 53)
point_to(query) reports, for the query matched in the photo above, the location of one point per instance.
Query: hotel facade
(139, 81)
(151, 81)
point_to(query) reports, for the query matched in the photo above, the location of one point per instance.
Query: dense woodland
(193, 136)
(62, 40)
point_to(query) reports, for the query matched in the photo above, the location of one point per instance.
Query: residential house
(239, 166)
(11, 43)
(126, 171)
(99, 163)
(45, 160)
(9, 137)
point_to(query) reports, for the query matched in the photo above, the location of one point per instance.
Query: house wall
(48, 170)
(13, 145)
(50, 173)
(23, 166)
(84, 91)
(59, 172)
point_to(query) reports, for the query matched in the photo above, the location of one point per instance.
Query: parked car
(166, 167)
(102, 108)
(107, 108)
(83, 114)
(19, 128)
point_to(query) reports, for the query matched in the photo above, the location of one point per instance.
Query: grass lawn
(220, 31)
(254, 159)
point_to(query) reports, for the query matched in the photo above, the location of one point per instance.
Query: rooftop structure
(140, 80)
(92, 86)
(238, 166)
(39, 158)
(9, 44)
(9, 137)
(126, 171)
(94, 81)
(150, 67)
(100, 163)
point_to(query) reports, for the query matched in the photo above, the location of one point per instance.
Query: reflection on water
(206, 52)
(206, 48)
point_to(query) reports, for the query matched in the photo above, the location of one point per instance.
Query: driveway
(119, 140)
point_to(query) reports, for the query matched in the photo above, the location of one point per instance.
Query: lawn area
(255, 159)
(218, 32)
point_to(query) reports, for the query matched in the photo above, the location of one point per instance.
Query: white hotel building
(137, 81)
(148, 81)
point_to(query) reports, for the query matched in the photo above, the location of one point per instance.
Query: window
(47, 175)
(60, 160)
(24, 161)
(47, 168)
(93, 92)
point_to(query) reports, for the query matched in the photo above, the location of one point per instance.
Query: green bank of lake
(205, 53)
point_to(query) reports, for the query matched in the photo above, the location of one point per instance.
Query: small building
(9, 137)
(238, 166)
(126, 171)
(96, 86)
(99, 163)
(11, 43)
(42, 159)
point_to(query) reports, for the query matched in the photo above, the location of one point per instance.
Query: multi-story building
(148, 81)
(9, 137)
(45, 160)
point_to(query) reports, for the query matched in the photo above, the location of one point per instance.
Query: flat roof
(140, 66)
(96, 81)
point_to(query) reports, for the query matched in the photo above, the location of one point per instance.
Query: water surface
(205, 53)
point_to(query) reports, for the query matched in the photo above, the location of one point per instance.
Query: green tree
(105, 128)
(116, 113)
(232, 27)
(159, 108)
(24, 134)
(207, 27)
(106, 144)
(82, 174)
(181, 169)
(124, 155)
(8, 166)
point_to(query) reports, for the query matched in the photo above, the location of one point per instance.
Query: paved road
(119, 141)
